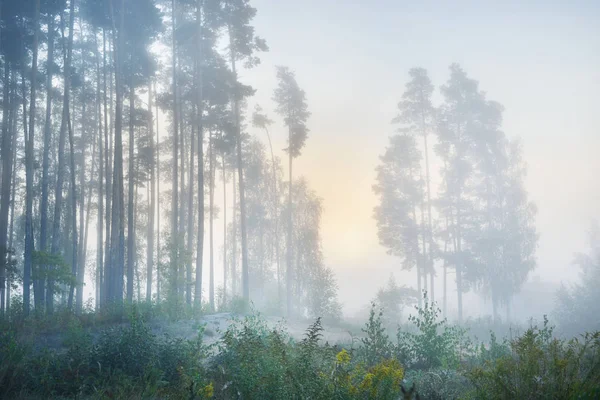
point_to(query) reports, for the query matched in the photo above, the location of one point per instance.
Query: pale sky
(541, 60)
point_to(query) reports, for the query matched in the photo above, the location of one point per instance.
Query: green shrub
(12, 362)
(376, 345)
(435, 344)
(440, 384)
(541, 366)
(253, 361)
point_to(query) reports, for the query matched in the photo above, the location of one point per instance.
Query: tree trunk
(82, 188)
(136, 262)
(74, 268)
(289, 271)
(211, 206)
(11, 102)
(150, 245)
(459, 286)
(100, 220)
(175, 183)
(157, 176)
(7, 163)
(131, 183)
(12, 214)
(190, 223)
(58, 196)
(425, 260)
(240, 167)
(200, 129)
(47, 140)
(430, 228)
(224, 229)
(184, 286)
(29, 242)
(106, 278)
(234, 237)
(85, 227)
(276, 217)
(418, 266)
(117, 245)
(445, 298)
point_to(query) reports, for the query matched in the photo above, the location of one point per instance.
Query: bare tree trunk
(157, 147)
(47, 139)
(430, 227)
(136, 262)
(190, 222)
(290, 256)
(200, 129)
(418, 266)
(240, 167)
(82, 188)
(74, 268)
(234, 238)
(12, 216)
(445, 298)
(106, 278)
(183, 251)
(175, 183)
(58, 197)
(131, 183)
(224, 229)
(150, 245)
(276, 217)
(26, 267)
(85, 227)
(459, 286)
(211, 190)
(117, 245)
(7, 163)
(424, 245)
(100, 220)
(29, 242)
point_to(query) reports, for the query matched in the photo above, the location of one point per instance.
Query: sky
(540, 60)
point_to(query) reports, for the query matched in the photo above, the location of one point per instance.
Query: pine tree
(291, 105)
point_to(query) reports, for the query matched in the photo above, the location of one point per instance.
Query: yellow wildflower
(343, 357)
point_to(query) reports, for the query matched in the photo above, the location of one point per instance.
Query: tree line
(86, 86)
(480, 223)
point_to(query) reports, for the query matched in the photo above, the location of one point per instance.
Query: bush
(440, 384)
(540, 366)
(376, 345)
(435, 344)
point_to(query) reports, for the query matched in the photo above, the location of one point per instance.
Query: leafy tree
(243, 45)
(393, 299)
(578, 305)
(29, 244)
(417, 116)
(400, 190)
(505, 237)
(292, 107)
(458, 130)
(260, 120)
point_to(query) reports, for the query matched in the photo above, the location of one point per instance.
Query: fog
(532, 71)
(539, 60)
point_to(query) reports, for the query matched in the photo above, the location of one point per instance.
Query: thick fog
(534, 67)
(539, 60)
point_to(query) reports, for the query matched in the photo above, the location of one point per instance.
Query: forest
(156, 241)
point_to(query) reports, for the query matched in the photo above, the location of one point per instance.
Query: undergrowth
(253, 360)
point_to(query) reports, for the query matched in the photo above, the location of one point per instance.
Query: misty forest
(181, 212)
